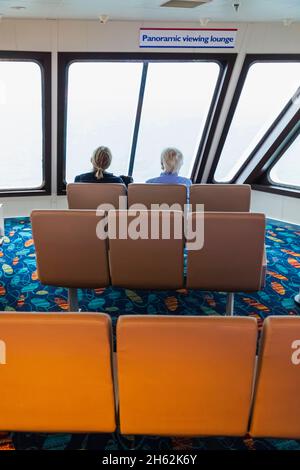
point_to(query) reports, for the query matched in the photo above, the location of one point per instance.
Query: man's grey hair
(171, 160)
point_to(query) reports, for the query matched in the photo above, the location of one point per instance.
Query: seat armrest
(264, 269)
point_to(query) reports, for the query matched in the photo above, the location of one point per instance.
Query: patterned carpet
(20, 290)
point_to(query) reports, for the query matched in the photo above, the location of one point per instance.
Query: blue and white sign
(169, 38)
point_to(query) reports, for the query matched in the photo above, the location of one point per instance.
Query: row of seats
(215, 197)
(70, 254)
(171, 375)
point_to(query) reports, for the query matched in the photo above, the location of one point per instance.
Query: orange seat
(69, 253)
(148, 194)
(232, 257)
(155, 263)
(91, 195)
(221, 197)
(58, 374)
(276, 410)
(185, 375)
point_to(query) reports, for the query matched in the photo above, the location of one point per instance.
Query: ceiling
(149, 10)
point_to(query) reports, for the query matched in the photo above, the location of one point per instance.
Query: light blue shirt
(170, 178)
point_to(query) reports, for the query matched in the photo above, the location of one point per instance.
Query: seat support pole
(230, 304)
(73, 300)
(297, 298)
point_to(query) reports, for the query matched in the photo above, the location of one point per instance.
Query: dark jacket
(91, 178)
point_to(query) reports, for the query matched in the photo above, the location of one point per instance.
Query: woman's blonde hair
(171, 160)
(101, 160)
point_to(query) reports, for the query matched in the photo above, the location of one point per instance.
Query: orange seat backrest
(146, 263)
(57, 375)
(91, 195)
(221, 197)
(276, 409)
(185, 375)
(148, 194)
(232, 255)
(68, 251)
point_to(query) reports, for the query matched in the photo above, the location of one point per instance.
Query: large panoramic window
(137, 105)
(102, 104)
(21, 125)
(267, 89)
(175, 108)
(286, 172)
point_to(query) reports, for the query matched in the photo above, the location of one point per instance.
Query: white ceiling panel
(150, 10)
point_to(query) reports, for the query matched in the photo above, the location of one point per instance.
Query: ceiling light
(236, 5)
(184, 3)
(204, 21)
(103, 19)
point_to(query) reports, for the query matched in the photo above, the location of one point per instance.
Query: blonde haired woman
(101, 160)
(171, 161)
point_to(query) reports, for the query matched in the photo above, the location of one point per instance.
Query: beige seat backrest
(57, 373)
(276, 409)
(148, 194)
(221, 197)
(185, 375)
(146, 263)
(232, 255)
(92, 195)
(68, 251)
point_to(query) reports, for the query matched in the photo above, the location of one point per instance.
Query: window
(137, 105)
(23, 143)
(175, 108)
(286, 172)
(102, 104)
(267, 89)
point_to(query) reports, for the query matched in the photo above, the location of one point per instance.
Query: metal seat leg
(230, 304)
(73, 300)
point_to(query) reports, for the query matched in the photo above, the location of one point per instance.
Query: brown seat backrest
(146, 263)
(232, 255)
(185, 375)
(276, 410)
(91, 195)
(57, 375)
(221, 197)
(68, 251)
(148, 194)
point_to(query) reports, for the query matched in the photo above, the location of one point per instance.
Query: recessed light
(184, 3)
(204, 21)
(103, 18)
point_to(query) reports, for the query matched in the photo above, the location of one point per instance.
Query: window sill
(283, 191)
(24, 193)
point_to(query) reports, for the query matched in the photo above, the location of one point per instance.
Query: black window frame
(279, 155)
(249, 60)
(226, 62)
(260, 179)
(43, 60)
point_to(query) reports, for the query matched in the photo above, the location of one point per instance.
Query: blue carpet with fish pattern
(21, 291)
